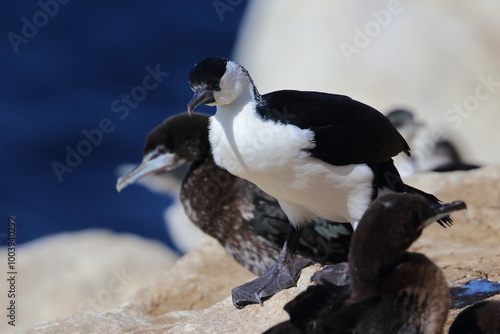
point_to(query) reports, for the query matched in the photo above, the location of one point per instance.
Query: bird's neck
(245, 93)
(241, 103)
(369, 259)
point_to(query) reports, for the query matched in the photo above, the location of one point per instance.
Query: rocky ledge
(193, 296)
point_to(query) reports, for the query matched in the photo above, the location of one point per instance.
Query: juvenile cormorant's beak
(152, 162)
(441, 210)
(201, 96)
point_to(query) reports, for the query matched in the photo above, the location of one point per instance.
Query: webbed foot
(282, 275)
(335, 274)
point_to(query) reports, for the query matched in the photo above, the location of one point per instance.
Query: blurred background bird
(428, 152)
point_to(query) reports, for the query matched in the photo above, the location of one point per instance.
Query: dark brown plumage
(392, 290)
(480, 318)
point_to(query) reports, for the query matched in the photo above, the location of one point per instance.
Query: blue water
(63, 80)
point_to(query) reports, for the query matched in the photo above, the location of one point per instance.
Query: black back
(346, 131)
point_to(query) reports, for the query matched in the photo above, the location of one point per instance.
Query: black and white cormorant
(320, 155)
(247, 222)
(391, 290)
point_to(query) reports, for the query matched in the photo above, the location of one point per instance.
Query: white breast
(244, 143)
(272, 156)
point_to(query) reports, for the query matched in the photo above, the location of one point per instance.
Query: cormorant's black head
(184, 136)
(394, 221)
(179, 140)
(217, 81)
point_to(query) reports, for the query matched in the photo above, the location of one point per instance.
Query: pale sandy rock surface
(86, 272)
(194, 295)
(198, 280)
(223, 317)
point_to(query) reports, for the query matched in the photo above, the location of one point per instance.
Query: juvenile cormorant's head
(179, 140)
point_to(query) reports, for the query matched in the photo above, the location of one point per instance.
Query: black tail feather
(431, 199)
(387, 176)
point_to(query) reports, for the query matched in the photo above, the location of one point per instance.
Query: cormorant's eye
(215, 83)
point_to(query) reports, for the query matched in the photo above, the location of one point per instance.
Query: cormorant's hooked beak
(439, 211)
(152, 162)
(201, 96)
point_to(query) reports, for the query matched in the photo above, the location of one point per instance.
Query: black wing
(346, 131)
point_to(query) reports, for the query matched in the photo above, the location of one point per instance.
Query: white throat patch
(233, 84)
